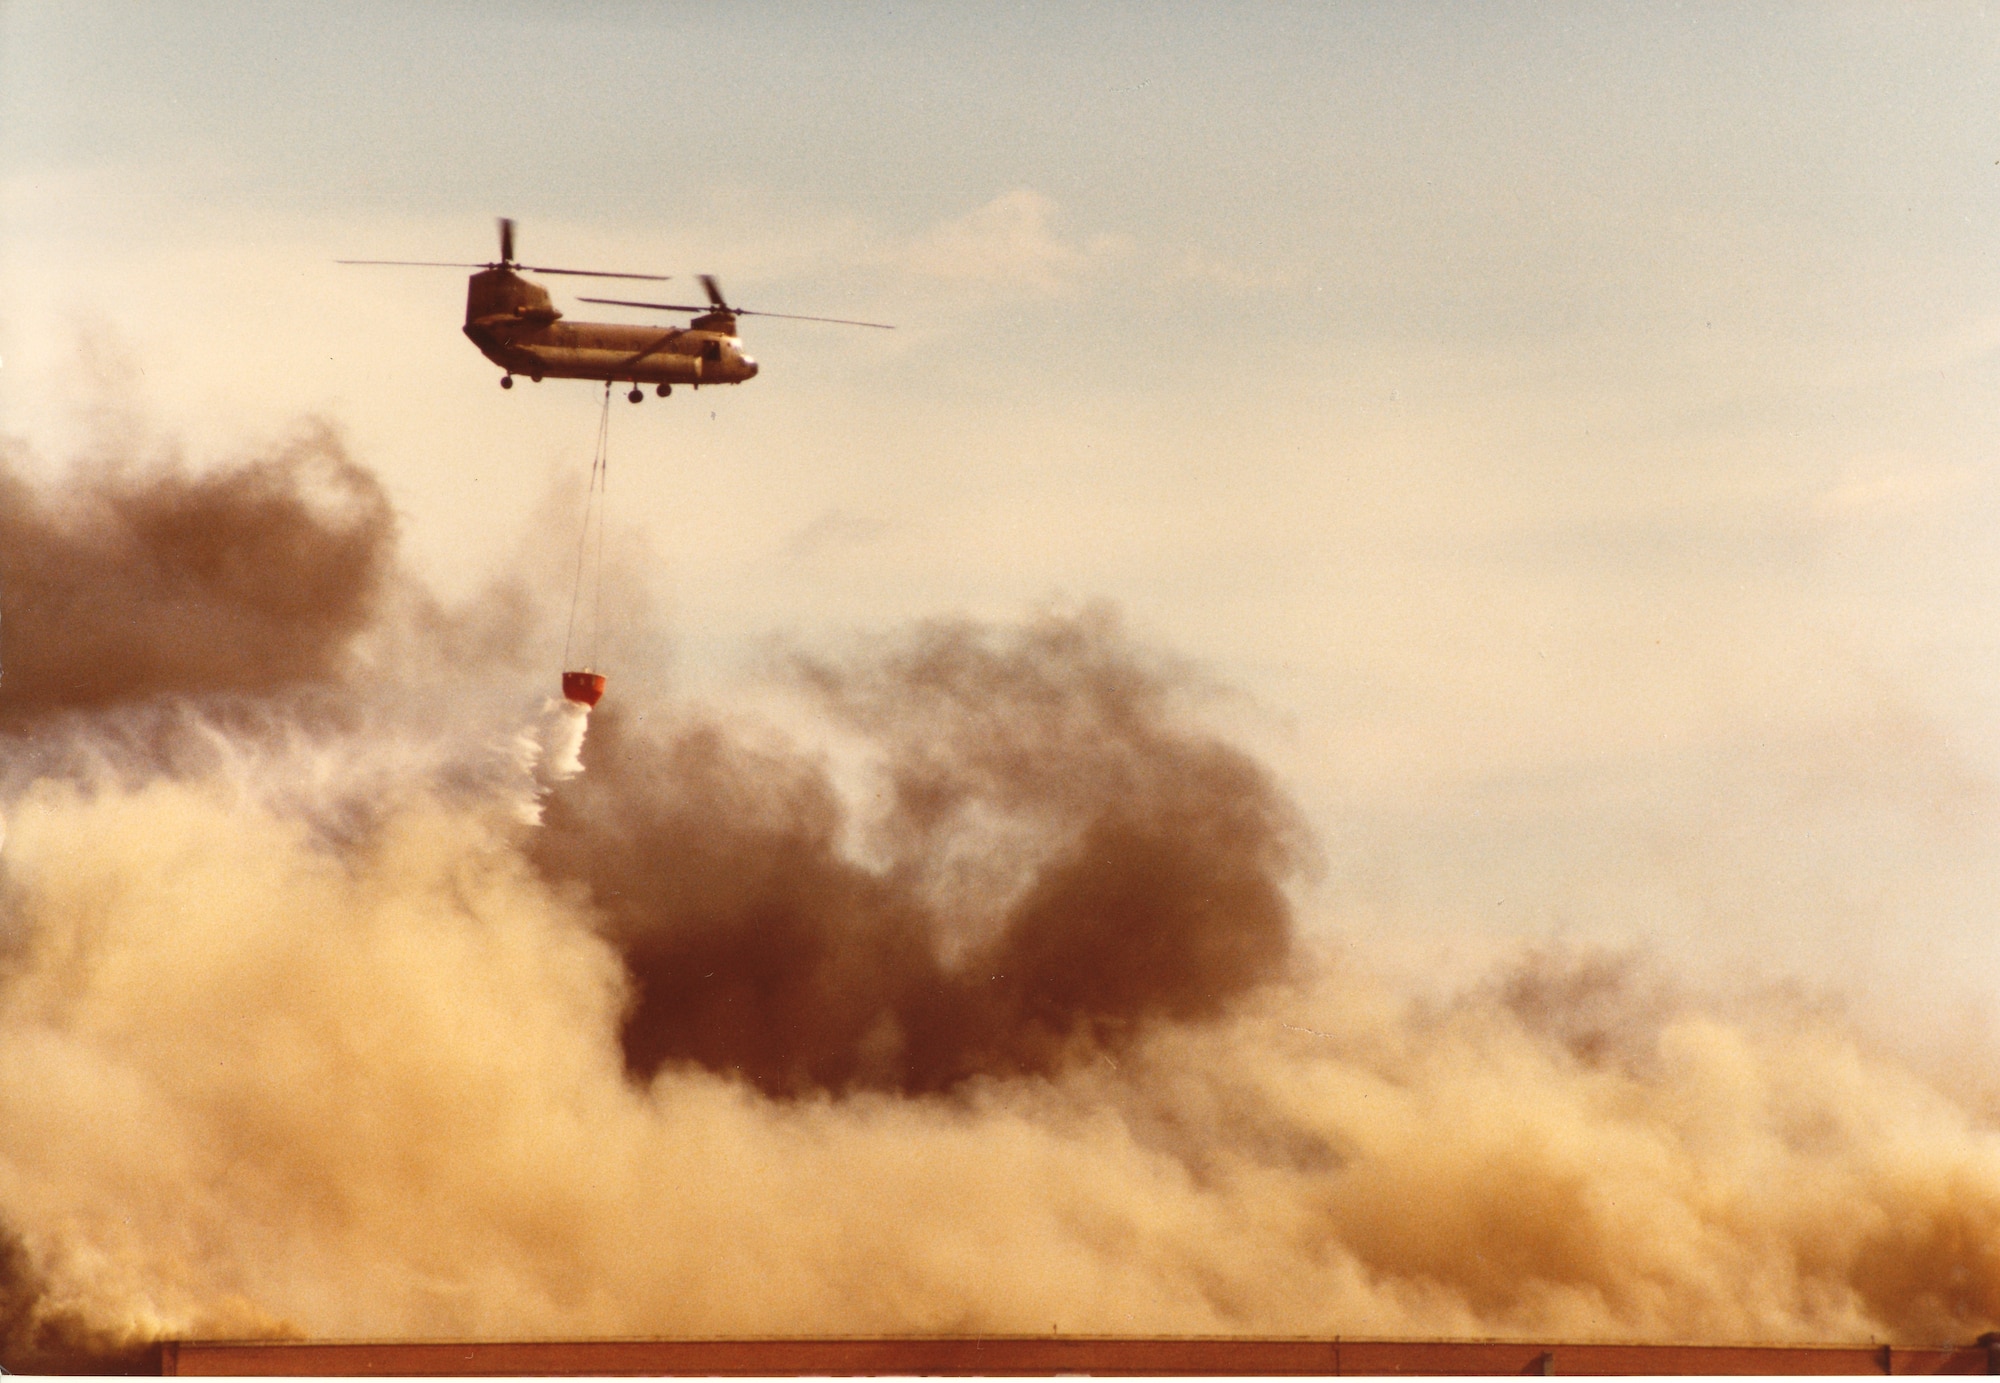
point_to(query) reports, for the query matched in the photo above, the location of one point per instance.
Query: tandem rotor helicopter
(516, 327)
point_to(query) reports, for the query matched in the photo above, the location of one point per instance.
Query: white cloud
(1893, 486)
(1011, 239)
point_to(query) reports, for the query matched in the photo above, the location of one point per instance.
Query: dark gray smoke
(1139, 865)
(124, 586)
(37, 1335)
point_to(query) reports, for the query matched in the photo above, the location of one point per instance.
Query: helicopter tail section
(501, 296)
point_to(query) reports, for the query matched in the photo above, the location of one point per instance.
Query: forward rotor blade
(589, 273)
(796, 317)
(714, 291)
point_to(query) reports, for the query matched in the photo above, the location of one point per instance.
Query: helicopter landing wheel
(635, 395)
(536, 378)
(506, 381)
(664, 390)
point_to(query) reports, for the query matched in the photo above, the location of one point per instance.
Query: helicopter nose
(749, 368)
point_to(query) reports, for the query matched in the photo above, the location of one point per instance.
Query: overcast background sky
(1573, 427)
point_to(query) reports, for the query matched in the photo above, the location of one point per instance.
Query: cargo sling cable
(583, 684)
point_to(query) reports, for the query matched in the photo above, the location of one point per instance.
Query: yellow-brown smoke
(306, 1029)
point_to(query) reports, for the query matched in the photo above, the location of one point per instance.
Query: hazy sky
(1574, 427)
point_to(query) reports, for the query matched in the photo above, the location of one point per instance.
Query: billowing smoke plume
(1060, 864)
(122, 587)
(334, 1002)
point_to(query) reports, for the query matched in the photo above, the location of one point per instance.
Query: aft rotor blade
(506, 240)
(736, 312)
(590, 273)
(417, 263)
(659, 307)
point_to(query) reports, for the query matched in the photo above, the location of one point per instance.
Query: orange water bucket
(583, 687)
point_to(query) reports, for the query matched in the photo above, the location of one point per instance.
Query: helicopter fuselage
(515, 326)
